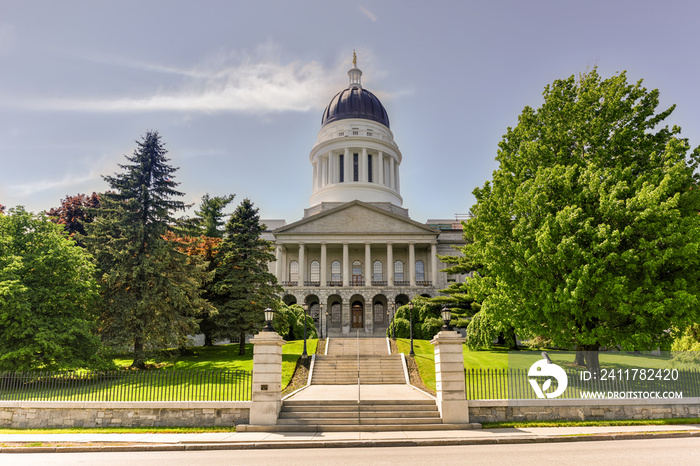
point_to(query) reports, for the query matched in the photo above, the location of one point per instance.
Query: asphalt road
(680, 451)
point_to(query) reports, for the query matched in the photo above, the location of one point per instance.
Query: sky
(236, 89)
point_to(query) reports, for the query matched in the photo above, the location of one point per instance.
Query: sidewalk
(263, 440)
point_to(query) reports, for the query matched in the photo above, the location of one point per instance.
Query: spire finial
(354, 58)
(354, 73)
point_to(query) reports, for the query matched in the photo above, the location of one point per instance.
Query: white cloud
(251, 86)
(368, 13)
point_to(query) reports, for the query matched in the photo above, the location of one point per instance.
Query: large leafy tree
(48, 293)
(152, 290)
(75, 212)
(588, 234)
(243, 286)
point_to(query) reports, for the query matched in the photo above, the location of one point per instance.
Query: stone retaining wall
(58, 414)
(581, 410)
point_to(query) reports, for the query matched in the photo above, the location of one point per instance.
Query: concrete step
(325, 403)
(362, 414)
(356, 428)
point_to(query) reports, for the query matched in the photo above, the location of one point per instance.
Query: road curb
(351, 443)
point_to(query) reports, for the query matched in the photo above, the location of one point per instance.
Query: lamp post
(269, 315)
(410, 308)
(327, 315)
(446, 317)
(303, 354)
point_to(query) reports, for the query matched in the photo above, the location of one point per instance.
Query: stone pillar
(368, 265)
(433, 264)
(389, 264)
(345, 316)
(280, 263)
(380, 168)
(284, 265)
(449, 377)
(364, 166)
(348, 165)
(346, 265)
(267, 378)
(324, 265)
(332, 172)
(315, 175)
(302, 264)
(412, 264)
(392, 179)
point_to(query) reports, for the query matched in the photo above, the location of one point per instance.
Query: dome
(355, 102)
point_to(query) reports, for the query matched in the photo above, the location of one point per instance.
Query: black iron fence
(156, 385)
(514, 384)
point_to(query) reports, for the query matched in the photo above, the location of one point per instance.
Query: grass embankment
(200, 374)
(500, 358)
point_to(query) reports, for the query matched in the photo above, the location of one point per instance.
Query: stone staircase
(343, 370)
(368, 415)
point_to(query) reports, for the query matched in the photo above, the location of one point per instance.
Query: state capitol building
(356, 255)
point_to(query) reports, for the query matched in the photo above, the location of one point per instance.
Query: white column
(324, 171)
(346, 265)
(392, 175)
(302, 264)
(397, 186)
(433, 263)
(368, 264)
(280, 265)
(364, 170)
(314, 176)
(380, 167)
(331, 168)
(324, 265)
(283, 277)
(348, 165)
(390, 264)
(411, 264)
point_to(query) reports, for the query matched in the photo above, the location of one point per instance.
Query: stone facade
(27, 414)
(580, 410)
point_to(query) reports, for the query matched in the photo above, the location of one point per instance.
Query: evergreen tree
(152, 291)
(243, 286)
(207, 225)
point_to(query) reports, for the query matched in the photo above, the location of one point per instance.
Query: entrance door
(357, 315)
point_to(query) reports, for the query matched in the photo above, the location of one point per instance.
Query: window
(357, 273)
(294, 271)
(420, 271)
(335, 271)
(315, 272)
(398, 271)
(335, 312)
(341, 167)
(355, 167)
(314, 311)
(378, 271)
(378, 313)
(369, 167)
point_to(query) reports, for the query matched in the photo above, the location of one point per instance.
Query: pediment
(356, 218)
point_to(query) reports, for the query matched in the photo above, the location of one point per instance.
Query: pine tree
(243, 286)
(151, 290)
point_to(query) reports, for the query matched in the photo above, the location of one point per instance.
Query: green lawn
(202, 374)
(498, 358)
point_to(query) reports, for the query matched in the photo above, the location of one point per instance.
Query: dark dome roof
(355, 102)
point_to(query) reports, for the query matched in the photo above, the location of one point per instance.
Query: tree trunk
(592, 362)
(512, 339)
(208, 340)
(580, 359)
(241, 345)
(139, 355)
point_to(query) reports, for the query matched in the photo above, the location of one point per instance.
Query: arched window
(378, 313)
(420, 271)
(335, 312)
(335, 272)
(294, 271)
(398, 271)
(378, 271)
(357, 273)
(315, 272)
